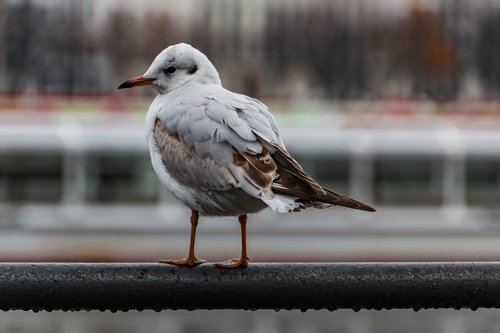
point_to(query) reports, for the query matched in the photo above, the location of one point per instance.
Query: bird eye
(170, 70)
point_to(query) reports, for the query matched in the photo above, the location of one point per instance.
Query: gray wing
(226, 140)
(210, 143)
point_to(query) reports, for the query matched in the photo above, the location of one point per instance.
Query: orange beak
(135, 81)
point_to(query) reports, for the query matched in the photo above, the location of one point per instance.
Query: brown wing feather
(259, 169)
(293, 181)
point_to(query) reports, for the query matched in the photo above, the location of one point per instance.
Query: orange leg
(243, 261)
(191, 259)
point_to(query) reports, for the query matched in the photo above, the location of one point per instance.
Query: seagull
(219, 152)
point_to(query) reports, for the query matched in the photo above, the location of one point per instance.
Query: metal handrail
(121, 287)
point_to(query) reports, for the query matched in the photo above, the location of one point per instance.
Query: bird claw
(183, 262)
(233, 263)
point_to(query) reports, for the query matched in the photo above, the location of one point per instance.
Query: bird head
(176, 66)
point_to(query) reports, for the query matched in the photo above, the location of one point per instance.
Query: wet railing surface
(279, 286)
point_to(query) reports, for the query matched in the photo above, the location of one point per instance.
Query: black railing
(121, 287)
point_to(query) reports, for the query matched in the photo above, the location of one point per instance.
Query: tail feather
(319, 200)
(294, 182)
(342, 200)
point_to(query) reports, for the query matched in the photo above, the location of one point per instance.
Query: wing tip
(367, 208)
(345, 201)
(354, 204)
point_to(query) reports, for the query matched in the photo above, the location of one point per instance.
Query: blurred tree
(130, 44)
(20, 42)
(70, 69)
(489, 53)
(322, 41)
(47, 52)
(156, 31)
(430, 55)
(343, 49)
(2, 45)
(201, 34)
(118, 41)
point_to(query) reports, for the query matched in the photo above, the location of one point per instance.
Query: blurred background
(394, 102)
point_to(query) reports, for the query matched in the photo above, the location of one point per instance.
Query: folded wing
(226, 141)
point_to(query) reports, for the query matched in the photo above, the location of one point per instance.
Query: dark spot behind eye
(170, 70)
(193, 69)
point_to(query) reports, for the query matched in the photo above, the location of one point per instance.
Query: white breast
(181, 192)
